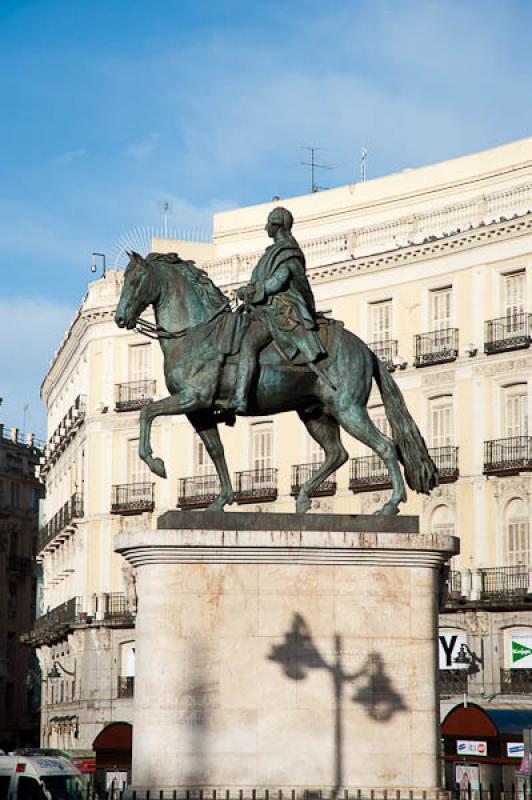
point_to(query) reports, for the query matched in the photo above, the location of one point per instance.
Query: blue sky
(111, 107)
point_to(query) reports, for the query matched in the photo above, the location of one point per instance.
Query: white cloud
(140, 150)
(31, 332)
(69, 155)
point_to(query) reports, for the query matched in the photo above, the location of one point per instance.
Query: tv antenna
(165, 208)
(314, 166)
(363, 157)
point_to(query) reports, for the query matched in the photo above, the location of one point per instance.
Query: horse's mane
(208, 292)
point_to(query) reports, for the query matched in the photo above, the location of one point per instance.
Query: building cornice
(403, 241)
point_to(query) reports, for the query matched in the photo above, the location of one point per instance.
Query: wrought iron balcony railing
(198, 491)
(69, 511)
(64, 432)
(508, 456)
(436, 347)
(126, 686)
(504, 583)
(301, 474)
(115, 608)
(446, 460)
(256, 485)
(512, 332)
(386, 350)
(453, 681)
(132, 498)
(455, 584)
(367, 473)
(56, 621)
(136, 394)
(516, 681)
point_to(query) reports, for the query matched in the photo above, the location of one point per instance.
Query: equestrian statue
(274, 353)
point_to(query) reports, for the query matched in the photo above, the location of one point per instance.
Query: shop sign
(449, 645)
(521, 651)
(466, 748)
(515, 749)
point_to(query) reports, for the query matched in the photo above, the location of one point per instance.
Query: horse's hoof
(157, 466)
(389, 509)
(302, 504)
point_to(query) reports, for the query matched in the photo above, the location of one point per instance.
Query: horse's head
(137, 293)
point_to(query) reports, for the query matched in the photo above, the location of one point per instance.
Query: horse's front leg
(181, 403)
(207, 429)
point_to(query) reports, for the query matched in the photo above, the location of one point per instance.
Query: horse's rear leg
(326, 432)
(356, 421)
(207, 430)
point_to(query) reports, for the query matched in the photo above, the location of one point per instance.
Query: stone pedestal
(286, 651)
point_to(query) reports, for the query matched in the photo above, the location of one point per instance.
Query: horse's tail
(420, 470)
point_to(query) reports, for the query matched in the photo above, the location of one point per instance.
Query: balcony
(516, 681)
(198, 491)
(386, 350)
(55, 623)
(368, 473)
(508, 456)
(301, 473)
(453, 681)
(64, 432)
(512, 332)
(69, 512)
(126, 686)
(129, 396)
(132, 498)
(256, 485)
(436, 347)
(115, 609)
(446, 460)
(454, 584)
(504, 583)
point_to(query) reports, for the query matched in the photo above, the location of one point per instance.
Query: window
(517, 533)
(315, 451)
(262, 446)
(514, 293)
(441, 308)
(138, 471)
(202, 461)
(139, 362)
(442, 521)
(515, 411)
(380, 420)
(441, 421)
(127, 659)
(380, 321)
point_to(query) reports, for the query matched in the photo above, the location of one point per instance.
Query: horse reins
(147, 328)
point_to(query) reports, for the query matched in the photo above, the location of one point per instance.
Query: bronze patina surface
(281, 356)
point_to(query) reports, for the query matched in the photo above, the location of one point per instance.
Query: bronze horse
(194, 319)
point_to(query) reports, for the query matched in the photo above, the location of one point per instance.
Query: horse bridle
(147, 328)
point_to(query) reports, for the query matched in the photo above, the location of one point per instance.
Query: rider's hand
(246, 293)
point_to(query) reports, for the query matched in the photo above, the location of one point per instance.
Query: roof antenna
(165, 208)
(314, 166)
(363, 157)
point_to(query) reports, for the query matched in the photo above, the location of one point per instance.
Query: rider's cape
(290, 313)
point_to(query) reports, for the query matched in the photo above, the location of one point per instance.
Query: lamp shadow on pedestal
(373, 687)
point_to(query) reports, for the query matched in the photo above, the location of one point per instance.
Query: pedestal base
(302, 659)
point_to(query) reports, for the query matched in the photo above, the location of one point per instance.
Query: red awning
(113, 746)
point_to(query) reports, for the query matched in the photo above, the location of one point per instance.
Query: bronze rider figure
(284, 309)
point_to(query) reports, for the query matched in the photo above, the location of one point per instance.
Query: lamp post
(55, 672)
(94, 267)
(468, 657)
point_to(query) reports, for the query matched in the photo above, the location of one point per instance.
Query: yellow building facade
(433, 268)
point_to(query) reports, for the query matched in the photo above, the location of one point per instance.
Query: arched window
(442, 520)
(517, 532)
